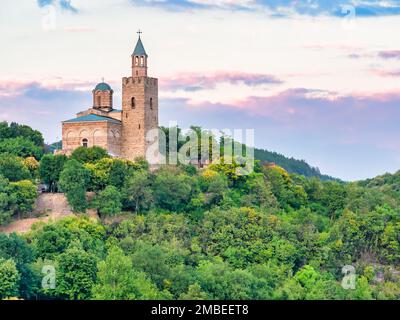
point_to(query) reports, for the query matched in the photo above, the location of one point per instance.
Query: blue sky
(366, 8)
(316, 80)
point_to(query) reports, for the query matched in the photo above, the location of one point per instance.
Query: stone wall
(138, 115)
(103, 99)
(103, 134)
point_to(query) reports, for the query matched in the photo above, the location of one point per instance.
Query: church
(121, 132)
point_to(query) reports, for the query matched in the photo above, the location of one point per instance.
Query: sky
(316, 80)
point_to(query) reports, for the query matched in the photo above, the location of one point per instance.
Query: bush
(74, 181)
(89, 155)
(108, 202)
(13, 168)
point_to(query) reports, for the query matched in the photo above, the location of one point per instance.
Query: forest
(180, 232)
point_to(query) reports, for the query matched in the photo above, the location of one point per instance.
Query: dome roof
(103, 87)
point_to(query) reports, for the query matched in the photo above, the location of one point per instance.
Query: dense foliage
(291, 165)
(179, 232)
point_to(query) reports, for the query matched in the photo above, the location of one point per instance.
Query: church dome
(103, 87)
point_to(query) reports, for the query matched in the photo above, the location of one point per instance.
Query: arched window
(133, 103)
(139, 126)
(142, 61)
(136, 61)
(151, 103)
(85, 143)
(98, 101)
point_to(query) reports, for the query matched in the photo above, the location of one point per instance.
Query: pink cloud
(389, 54)
(196, 81)
(386, 73)
(16, 88)
(314, 110)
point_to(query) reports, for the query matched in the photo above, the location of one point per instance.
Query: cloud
(281, 8)
(64, 4)
(386, 73)
(389, 54)
(352, 137)
(366, 118)
(42, 107)
(197, 82)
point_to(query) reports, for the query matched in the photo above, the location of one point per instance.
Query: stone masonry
(121, 132)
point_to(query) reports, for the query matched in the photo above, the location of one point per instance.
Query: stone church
(121, 132)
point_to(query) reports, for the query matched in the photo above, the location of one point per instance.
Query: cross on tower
(139, 32)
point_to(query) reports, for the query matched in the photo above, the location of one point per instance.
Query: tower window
(99, 101)
(136, 61)
(151, 103)
(142, 61)
(139, 126)
(85, 143)
(133, 103)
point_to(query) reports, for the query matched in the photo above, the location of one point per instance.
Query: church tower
(103, 97)
(139, 105)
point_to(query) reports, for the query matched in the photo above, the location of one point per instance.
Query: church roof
(102, 86)
(139, 49)
(93, 118)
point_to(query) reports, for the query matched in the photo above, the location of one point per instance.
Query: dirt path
(48, 206)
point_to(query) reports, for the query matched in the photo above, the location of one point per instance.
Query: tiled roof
(92, 118)
(139, 49)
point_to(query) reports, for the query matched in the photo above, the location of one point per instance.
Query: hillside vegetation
(179, 232)
(291, 165)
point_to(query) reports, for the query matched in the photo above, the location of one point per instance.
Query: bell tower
(139, 105)
(139, 59)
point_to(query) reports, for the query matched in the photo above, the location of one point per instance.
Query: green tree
(108, 202)
(76, 274)
(214, 185)
(241, 236)
(258, 193)
(117, 280)
(53, 238)
(13, 168)
(221, 282)
(89, 155)
(15, 130)
(74, 181)
(287, 192)
(50, 169)
(194, 293)
(333, 197)
(172, 191)
(16, 248)
(137, 190)
(24, 194)
(9, 279)
(5, 201)
(21, 147)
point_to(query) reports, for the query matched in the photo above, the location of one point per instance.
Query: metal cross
(139, 32)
